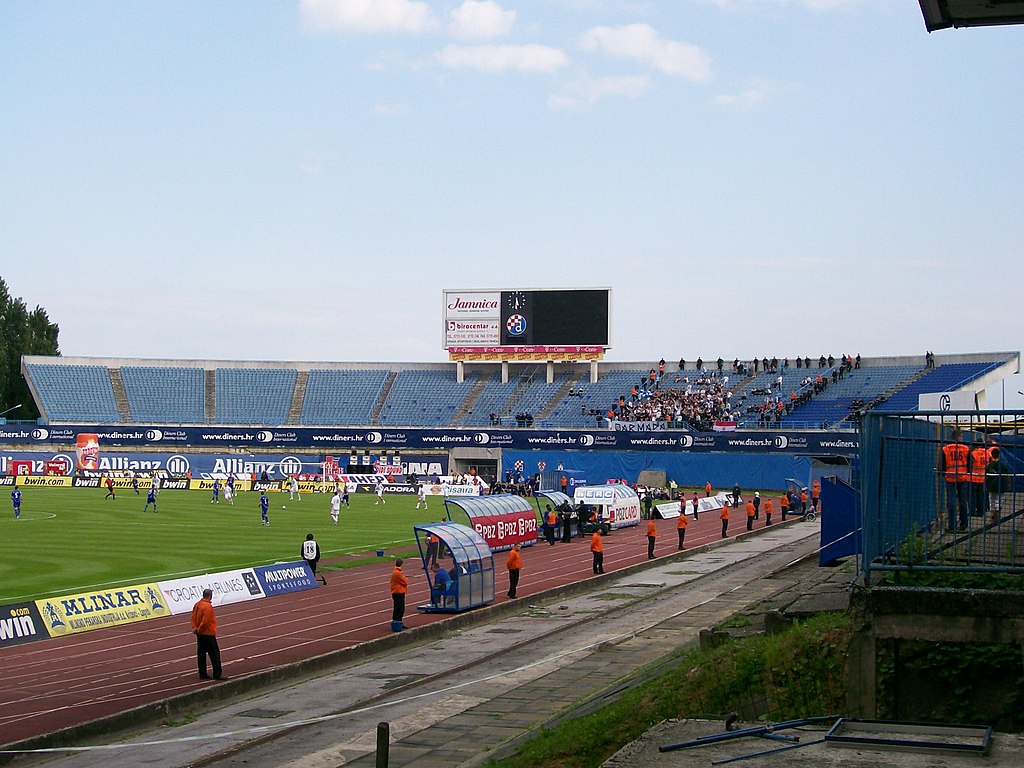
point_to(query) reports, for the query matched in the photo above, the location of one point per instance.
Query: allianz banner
(337, 441)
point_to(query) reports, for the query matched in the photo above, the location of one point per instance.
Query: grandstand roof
(943, 14)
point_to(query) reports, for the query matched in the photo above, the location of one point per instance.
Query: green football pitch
(72, 539)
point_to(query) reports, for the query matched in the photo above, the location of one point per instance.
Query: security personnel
(750, 515)
(550, 525)
(652, 535)
(979, 459)
(597, 550)
(815, 494)
(724, 515)
(681, 525)
(953, 461)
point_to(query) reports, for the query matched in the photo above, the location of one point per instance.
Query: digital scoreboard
(527, 324)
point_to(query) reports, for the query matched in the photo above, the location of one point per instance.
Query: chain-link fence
(942, 491)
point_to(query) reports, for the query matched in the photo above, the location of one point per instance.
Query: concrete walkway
(479, 690)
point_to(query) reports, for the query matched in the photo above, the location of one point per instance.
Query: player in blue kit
(264, 507)
(216, 492)
(16, 501)
(150, 498)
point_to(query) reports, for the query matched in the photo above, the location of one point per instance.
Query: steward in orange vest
(953, 461)
(681, 525)
(724, 515)
(750, 515)
(597, 549)
(652, 534)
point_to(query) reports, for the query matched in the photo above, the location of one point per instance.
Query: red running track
(57, 683)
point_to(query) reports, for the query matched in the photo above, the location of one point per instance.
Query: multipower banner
(340, 440)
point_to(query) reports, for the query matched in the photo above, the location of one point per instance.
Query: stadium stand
(164, 395)
(74, 392)
(598, 397)
(865, 384)
(945, 378)
(425, 398)
(429, 395)
(341, 396)
(493, 399)
(254, 395)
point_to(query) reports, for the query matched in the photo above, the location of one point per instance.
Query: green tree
(21, 333)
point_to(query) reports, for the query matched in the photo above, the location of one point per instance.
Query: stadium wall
(721, 470)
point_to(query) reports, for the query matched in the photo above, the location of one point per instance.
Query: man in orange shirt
(399, 586)
(750, 515)
(724, 515)
(815, 494)
(767, 511)
(652, 534)
(707, 488)
(597, 549)
(204, 627)
(514, 565)
(681, 525)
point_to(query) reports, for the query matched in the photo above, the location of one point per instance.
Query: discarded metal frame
(910, 737)
(758, 730)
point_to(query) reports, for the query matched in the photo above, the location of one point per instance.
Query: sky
(302, 180)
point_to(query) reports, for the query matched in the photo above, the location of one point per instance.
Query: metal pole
(755, 731)
(383, 743)
(767, 752)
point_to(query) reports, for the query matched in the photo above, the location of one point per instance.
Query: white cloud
(501, 58)
(590, 91)
(481, 20)
(642, 43)
(748, 99)
(368, 15)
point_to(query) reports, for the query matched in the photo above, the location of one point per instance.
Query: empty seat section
(254, 395)
(833, 405)
(75, 392)
(945, 378)
(341, 397)
(164, 395)
(491, 400)
(425, 398)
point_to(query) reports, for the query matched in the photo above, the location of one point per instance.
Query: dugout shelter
(503, 519)
(469, 562)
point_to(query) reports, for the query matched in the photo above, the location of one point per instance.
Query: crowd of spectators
(701, 401)
(698, 402)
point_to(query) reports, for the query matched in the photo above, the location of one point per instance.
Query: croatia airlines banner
(335, 441)
(228, 587)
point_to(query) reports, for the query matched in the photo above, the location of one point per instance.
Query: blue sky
(301, 180)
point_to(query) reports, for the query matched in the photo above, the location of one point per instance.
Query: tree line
(24, 332)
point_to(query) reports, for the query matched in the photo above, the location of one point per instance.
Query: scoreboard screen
(527, 324)
(554, 318)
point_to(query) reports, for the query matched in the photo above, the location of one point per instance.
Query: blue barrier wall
(722, 470)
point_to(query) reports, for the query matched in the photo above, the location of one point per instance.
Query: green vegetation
(24, 333)
(798, 673)
(71, 539)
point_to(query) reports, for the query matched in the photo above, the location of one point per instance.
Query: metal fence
(922, 509)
